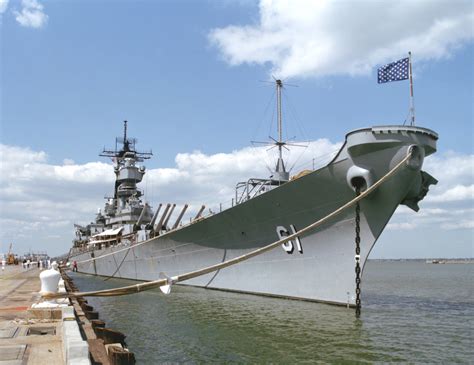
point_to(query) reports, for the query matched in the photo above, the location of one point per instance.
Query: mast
(246, 190)
(280, 172)
(125, 145)
(279, 85)
(124, 131)
(412, 99)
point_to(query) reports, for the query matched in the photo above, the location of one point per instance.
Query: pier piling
(106, 346)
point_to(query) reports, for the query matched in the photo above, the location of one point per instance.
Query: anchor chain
(357, 255)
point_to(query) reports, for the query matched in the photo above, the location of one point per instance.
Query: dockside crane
(11, 260)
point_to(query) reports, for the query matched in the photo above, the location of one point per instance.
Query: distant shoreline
(432, 260)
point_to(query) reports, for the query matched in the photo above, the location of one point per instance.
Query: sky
(193, 78)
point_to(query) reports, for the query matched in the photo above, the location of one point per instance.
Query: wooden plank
(89, 331)
(110, 336)
(98, 352)
(119, 356)
(92, 315)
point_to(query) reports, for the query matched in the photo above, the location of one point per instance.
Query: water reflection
(196, 325)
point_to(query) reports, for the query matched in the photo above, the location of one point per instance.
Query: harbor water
(412, 312)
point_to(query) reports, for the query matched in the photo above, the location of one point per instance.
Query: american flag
(394, 71)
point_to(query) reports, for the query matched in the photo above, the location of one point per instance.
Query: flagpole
(412, 101)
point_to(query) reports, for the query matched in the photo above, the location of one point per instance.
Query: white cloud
(401, 226)
(315, 38)
(452, 168)
(23, 163)
(3, 6)
(31, 14)
(39, 200)
(463, 224)
(449, 204)
(459, 192)
(445, 218)
(210, 179)
(455, 173)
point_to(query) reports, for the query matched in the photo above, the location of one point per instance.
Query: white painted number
(290, 245)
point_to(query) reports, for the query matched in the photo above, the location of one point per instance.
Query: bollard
(49, 284)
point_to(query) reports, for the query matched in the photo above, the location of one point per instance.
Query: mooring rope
(193, 274)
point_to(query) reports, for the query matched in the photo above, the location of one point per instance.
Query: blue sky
(187, 75)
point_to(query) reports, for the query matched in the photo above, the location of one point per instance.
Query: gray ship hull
(320, 265)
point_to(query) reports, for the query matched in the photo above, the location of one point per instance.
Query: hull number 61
(289, 246)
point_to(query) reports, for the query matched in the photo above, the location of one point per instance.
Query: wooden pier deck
(24, 340)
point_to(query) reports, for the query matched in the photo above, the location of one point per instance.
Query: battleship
(129, 239)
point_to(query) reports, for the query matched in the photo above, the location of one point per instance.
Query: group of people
(40, 264)
(28, 264)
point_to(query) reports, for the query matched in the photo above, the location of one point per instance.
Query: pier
(23, 338)
(69, 334)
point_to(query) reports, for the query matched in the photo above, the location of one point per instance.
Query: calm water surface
(412, 312)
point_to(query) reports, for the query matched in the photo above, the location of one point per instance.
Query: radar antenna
(125, 146)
